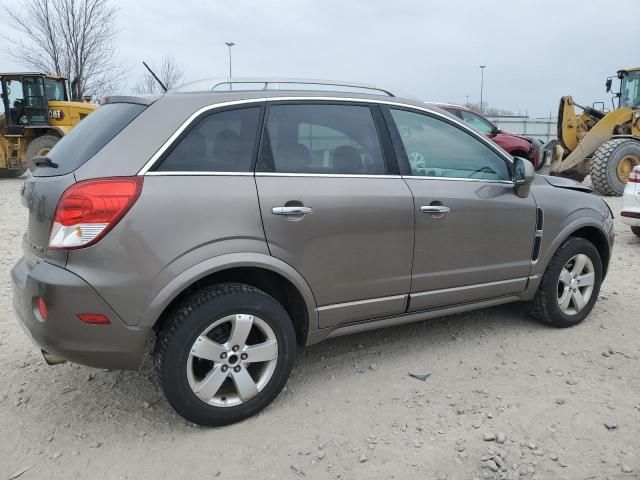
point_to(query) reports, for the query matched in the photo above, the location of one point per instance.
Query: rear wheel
(612, 163)
(40, 147)
(570, 284)
(225, 354)
(636, 230)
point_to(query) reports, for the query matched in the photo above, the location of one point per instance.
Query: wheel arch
(266, 273)
(586, 228)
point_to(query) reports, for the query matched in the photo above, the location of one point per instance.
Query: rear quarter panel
(178, 222)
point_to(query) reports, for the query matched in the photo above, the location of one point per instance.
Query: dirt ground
(504, 391)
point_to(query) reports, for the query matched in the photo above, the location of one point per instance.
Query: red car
(516, 145)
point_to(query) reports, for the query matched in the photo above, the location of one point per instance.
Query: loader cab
(25, 99)
(629, 88)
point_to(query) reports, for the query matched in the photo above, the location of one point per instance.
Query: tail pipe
(51, 358)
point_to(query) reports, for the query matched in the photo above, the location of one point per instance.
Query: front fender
(579, 219)
(224, 262)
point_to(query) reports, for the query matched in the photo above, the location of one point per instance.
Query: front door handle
(434, 209)
(291, 210)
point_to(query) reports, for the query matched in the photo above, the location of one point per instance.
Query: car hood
(562, 182)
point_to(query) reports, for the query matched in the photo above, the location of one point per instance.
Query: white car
(631, 201)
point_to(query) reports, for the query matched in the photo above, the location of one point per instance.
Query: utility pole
(229, 44)
(467, 100)
(482, 67)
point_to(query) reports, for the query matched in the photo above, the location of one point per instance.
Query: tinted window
(437, 149)
(476, 122)
(89, 136)
(332, 139)
(220, 142)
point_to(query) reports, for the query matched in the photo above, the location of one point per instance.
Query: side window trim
(403, 159)
(386, 145)
(188, 125)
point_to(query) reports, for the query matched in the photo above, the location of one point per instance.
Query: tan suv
(235, 225)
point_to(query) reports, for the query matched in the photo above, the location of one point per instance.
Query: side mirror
(495, 131)
(523, 175)
(608, 84)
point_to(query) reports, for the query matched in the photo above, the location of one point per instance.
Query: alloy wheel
(575, 285)
(232, 360)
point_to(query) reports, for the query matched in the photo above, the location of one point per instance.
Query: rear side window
(330, 139)
(220, 142)
(89, 137)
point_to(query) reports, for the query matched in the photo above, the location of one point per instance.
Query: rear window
(89, 137)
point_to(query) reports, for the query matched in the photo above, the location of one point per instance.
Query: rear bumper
(115, 346)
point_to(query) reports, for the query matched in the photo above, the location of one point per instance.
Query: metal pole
(467, 100)
(229, 44)
(482, 67)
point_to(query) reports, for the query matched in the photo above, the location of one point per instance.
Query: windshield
(630, 91)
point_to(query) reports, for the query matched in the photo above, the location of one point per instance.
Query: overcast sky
(535, 51)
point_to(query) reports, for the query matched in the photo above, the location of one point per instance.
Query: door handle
(435, 209)
(291, 210)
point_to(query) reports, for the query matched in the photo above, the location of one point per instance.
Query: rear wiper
(44, 162)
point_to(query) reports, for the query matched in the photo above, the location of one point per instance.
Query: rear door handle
(291, 210)
(437, 209)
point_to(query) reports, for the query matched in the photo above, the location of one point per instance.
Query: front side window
(220, 142)
(436, 148)
(330, 139)
(477, 122)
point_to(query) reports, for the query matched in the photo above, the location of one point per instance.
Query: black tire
(544, 306)
(189, 320)
(636, 230)
(39, 146)
(604, 164)
(6, 173)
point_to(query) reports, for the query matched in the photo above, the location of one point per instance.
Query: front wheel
(636, 230)
(612, 163)
(570, 284)
(224, 354)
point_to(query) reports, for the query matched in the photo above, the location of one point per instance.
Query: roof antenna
(154, 76)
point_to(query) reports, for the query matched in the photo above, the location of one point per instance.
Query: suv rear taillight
(634, 176)
(88, 210)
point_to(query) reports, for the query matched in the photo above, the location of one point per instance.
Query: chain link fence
(544, 129)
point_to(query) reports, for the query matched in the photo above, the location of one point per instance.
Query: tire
(605, 161)
(6, 173)
(545, 306)
(181, 374)
(636, 230)
(39, 146)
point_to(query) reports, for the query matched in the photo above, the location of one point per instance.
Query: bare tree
(70, 38)
(170, 74)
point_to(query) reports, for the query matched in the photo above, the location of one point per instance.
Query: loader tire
(609, 165)
(6, 173)
(40, 147)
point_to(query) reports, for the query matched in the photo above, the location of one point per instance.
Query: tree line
(76, 39)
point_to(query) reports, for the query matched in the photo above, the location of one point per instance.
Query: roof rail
(264, 83)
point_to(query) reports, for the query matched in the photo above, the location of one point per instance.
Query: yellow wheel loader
(604, 144)
(37, 113)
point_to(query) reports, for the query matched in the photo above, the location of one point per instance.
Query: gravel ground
(506, 398)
